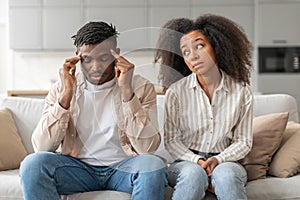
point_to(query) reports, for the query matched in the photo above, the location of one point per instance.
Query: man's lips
(96, 75)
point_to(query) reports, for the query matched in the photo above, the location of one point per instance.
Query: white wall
(4, 53)
(38, 70)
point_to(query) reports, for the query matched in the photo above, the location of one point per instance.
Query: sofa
(26, 113)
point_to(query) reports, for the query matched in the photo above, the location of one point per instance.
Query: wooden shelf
(27, 93)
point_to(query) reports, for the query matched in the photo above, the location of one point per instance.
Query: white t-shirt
(97, 126)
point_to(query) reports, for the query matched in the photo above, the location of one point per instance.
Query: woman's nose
(194, 55)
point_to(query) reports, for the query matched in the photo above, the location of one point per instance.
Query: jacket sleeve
(53, 125)
(243, 136)
(173, 135)
(140, 118)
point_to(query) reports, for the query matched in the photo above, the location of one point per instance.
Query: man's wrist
(127, 94)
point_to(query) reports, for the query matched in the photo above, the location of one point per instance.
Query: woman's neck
(209, 83)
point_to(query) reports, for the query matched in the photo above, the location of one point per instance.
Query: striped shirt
(223, 126)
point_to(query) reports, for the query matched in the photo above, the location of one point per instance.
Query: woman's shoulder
(232, 84)
(183, 83)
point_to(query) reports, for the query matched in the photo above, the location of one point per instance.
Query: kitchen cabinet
(278, 22)
(61, 21)
(158, 16)
(43, 25)
(130, 23)
(241, 12)
(25, 24)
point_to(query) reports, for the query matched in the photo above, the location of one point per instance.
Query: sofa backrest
(276, 103)
(27, 111)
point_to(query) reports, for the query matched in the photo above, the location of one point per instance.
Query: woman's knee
(189, 171)
(228, 173)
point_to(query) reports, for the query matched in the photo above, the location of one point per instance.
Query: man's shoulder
(142, 85)
(140, 79)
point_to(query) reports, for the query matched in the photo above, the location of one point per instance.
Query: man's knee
(34, 161)
(150, 163)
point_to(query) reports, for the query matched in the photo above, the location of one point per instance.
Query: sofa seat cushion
(107, 194)
(274, 188)
(10, 187)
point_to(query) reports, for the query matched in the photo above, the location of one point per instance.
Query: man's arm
(53, 126)
(141, 125)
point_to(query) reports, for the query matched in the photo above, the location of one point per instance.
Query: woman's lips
(198, 65)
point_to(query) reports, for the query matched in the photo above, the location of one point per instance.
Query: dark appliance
(279, 59)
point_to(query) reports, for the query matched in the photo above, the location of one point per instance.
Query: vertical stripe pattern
(223, 126)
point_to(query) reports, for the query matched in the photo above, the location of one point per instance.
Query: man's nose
(96, 65)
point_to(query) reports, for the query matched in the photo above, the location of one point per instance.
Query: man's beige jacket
(137, 120)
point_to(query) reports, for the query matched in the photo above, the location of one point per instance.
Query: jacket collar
(224, 84)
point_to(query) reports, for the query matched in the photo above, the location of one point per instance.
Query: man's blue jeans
(46, 175)
(190, 181)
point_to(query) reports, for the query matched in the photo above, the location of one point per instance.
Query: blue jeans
(47, 175)
(190, 181)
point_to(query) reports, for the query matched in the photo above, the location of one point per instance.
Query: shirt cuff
(195, 158)
(132, 106)
(60, 113)
(219, 159)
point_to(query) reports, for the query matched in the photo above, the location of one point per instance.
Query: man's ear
(118, 51)
(76, 52)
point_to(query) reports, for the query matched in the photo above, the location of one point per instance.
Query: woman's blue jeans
(190, 181)
(47, 175)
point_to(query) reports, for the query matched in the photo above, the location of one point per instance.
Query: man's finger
(73, 60)
(117, 56)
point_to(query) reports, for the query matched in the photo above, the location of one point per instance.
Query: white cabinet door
(158, 16)
(241, 14)
(130, 22)
(278, 22)
(25, 28)
(62, 18)
(60, 24)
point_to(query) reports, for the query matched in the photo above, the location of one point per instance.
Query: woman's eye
(185, 53)
(199, 46)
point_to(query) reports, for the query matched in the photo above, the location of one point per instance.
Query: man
(103, 121)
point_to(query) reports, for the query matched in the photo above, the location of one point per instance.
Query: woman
(208, 114)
